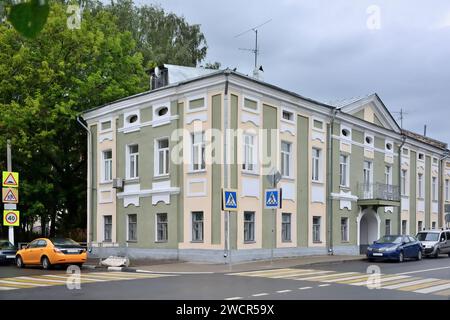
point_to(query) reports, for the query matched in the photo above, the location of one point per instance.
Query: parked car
(50, 252)
(7, 251)
(435, 242)
(395, 247)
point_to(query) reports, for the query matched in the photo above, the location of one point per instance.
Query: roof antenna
(402, 116)
(256, 49)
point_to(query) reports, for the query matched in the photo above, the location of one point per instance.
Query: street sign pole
(13, 206)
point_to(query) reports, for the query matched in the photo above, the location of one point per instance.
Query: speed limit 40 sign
(11, 218)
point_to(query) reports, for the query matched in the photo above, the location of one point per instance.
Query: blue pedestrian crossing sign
(230, 200)
(271, 198)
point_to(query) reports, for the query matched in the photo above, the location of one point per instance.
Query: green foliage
(29, 17)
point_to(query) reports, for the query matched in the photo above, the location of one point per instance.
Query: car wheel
(45, 262)
(419, 255)
(436, 254)
(19, 262)
(401, 257)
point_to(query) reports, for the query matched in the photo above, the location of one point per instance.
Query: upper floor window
(162, 157)
(197, 104)
(405, 152)
(286, 154)
(404, 175)
(318, 124)
(389, 147)
(250, 105)
(346, 133)
(368, 140)
(447, 189)
(249, 153)
(105, 125)
(434, 188)
(421, 156)
(287, 115)
(420, 185)
(316, 161)
(107, 166)
(132, 118)
(388, 175)
(343, 171)
(133, 161)
(198, 151)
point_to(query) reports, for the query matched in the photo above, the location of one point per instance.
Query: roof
(427, 140)
(181, 73)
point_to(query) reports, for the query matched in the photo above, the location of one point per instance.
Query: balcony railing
(378, 191)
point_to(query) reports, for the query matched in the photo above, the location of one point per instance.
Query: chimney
(159, 77)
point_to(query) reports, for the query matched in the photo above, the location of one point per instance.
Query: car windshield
(64, 242)
(390, 239)
(428, 236)
(5, 244)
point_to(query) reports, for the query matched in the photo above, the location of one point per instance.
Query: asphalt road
(272, 284)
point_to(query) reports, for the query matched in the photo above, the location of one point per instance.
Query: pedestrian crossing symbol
(230, 200)
(10, 195)
(272, 198)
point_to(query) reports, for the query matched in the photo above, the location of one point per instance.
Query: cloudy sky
(326, 51)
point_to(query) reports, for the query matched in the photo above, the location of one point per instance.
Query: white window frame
(157, 224)
(349, 136)
(106, 163)
(434, 189)
(200, 149)
(368, 185)
(419, 222)
(202, 224)
(257, 111)
(345, 165)
(404, 182)
(317, 227)
(196, 97)
(316, 165)
(128, 162)
(288, 227)
(253, 150)
(166, 157)
(420, 186)
(447, 189)
(283, 109)
(372, 138)
(127, 115)
(388, 175)
(110, 120)
(288, 156)
(386, 148)
(406, 227)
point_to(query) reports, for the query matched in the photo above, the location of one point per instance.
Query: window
(316, 153)
(286, 227)
(162, 157)
(198, 151)
(162, 111)
(421, 156)
(368, 140)
(389, 146)
(249, 163)
(197, 104)
(343, 171)
(420, 185)
(132, 227)
(106, 125)
(403, 182)
(447, 189)
(249, 226)
(433, 225)
(318, 124)
(250, 104)
(161, 227)
(288, 115)
(316, 229)
(435, 161)
(434, 188)
(388, 175)
(197, 226)
(286, 159)
(132, 118)
(404, 224)
(107, 166)
(419, 225)
(344, 229)
(345, 133)
(107, 228)
(387, 227)
(367, 175)
(133, 161)
(405, 151)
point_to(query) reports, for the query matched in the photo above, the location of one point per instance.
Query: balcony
(378, 194)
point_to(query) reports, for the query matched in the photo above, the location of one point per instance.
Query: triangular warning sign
(10, 197)
(272, 199)
(10, 181)
(231, 202)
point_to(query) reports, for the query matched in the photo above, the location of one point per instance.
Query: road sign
(273, 177)
(10, 179)
(10, 195)
(271, 198)
(11, 218)
(230, 201)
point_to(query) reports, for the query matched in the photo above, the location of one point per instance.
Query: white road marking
(304, 288)
(25, 283)
(324, 285)
(7, 288)
(260, 294)
(425, 270)
(83, 277)
(234, 298)
(283, 291)
(434, 289)
(178, 272)
(363, 283)
(41, 279)
(348, 278)
(325, 276)
(300, 274)
(410, 283)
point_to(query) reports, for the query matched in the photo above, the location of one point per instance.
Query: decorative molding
(148, 123)
(250, 187)
(318, 193)
(190, 182)
(288, 190)
(191, 117)
(249, 117)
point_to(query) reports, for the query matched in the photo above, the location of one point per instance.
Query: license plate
(72, 250)
(10, 256)
(378, 254)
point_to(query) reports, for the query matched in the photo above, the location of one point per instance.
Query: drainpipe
(400, 183)
(330, 182)
(89, 184)
(441, 207)
(227, 245)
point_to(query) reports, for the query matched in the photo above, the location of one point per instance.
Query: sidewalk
(197, 267)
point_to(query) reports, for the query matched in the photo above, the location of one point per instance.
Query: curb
(92, 267)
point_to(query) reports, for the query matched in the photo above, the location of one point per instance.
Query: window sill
(345, 188)
(196, 171)
(250, 173)
(102, 183)
(317, 242)
(286, 241)
(161, 241)
(346, 241)
(197, 241)
(250, 242)
(161, 177)
(287, 178)
(132, 180)
(131, 241)
(317, 182)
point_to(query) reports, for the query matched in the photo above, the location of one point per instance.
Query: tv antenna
(256, 49)
(401, 117)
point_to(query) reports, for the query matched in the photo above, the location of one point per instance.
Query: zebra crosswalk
(47, 280)
(401, 282)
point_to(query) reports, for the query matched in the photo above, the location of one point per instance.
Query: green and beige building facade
(158, 162)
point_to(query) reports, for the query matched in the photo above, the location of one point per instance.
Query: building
(350, 174)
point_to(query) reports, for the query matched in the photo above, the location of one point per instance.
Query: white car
(435, 242)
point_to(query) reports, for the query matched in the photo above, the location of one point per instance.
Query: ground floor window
(419, 226)
(107, 228)
(286, 227)
(249, 226)
(404, 224)
(316, 229)
(387, 227)
(433, 225)
(197, 226)
(161, 227)
(344, 229)
(132, 227)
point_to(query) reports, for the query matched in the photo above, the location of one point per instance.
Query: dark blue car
(396, 248)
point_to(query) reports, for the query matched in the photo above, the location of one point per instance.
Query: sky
(338, 49)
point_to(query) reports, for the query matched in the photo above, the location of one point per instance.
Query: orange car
(49, 252)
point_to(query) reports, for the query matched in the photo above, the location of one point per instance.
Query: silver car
(435, 242)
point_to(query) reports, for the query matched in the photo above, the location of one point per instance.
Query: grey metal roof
(181, 73)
